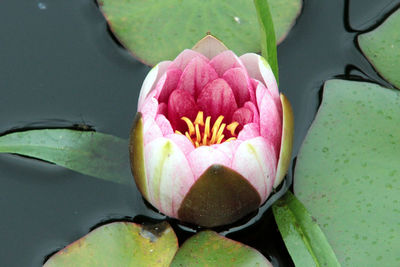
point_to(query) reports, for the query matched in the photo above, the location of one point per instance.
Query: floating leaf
(120, 244)
(303, 238)
(158, 30)
(348, 172)
(207, 248)
(96, 154)
(268, 43)
(382, 48)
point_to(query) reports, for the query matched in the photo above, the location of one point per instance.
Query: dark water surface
(60, 67)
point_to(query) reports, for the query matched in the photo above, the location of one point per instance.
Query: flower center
(200, 133)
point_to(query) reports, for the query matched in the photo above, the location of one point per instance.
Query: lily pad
(207, 248)
(348, 173)
(382, 48)
(158, 30)
(91, 153)
(303, 238)
(120, 244)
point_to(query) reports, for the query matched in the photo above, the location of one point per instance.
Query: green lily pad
(120, 244)
(158, 30)
(91, 153)
(207, 248)
(382, 48)
(348, 173)
(303, 238)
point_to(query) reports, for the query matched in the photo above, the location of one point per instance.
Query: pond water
(60, 67)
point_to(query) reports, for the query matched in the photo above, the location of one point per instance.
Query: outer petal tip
(286, 141)
(209, 46)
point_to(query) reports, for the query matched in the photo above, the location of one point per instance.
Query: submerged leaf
(306, 243)
(120, 244)
(91, 153)
(159, 30)
(348, 172)
(207, 248)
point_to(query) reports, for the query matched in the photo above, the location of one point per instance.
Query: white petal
(151, 80)
(259, 69)
(151, 131)
(169, 176)
(255, 160)
(203, 157)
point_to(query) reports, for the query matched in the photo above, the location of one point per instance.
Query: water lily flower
(212, 137)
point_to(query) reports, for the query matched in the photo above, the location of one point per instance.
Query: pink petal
(258, 68)
(168, 83)
(149, 108)
(254, 84)
(162, 109)
(260, 90)
(151, 80)
(164, 124)
(169, 176)
(181, 104)
(243, 116)
(228, 148)
(203, 157)
(255, 160)
(260, 95)
(182, 142)
(249, 131)
(251, 106)
(224, 61)
(270, 118)
(240, 83)
(151, 131)
(217, 99)
(181, 61)
(196, 75)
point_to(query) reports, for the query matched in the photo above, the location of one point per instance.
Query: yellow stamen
(215, 128)
(232, 127)
(189, 124)
(207, 127)
(213, 137)
(217, 123)
(199, 119)
(198, 136)
(205, 139)
(220, 139)
(199, 131)
(221, 130)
